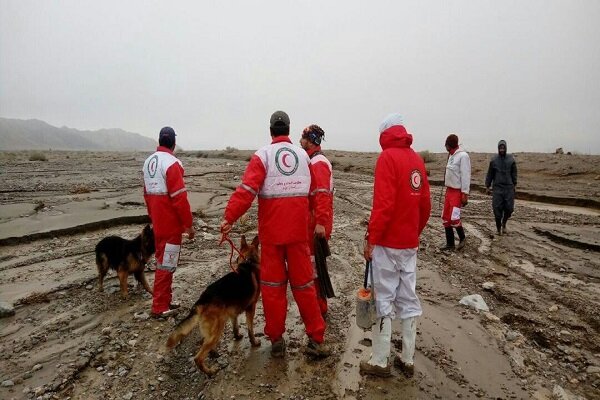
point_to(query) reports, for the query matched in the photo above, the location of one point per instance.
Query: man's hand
(190, 232)
(225, 227)
(464, 199)
(368, 252)
(320, 231)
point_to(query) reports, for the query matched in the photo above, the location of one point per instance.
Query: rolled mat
(321, 254)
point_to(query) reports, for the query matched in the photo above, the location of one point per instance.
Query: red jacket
(401, 199)
(280, 175)
(165, 194)
(321, 192)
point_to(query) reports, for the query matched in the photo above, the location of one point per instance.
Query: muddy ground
(67, 340)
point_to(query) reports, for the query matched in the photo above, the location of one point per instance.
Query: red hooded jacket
(401, 198)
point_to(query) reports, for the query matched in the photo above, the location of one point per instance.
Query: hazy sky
(524, 71)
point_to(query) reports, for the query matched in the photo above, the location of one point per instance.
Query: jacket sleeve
(513, 172)
(320, 192)
(489, 178)
(241, 200)
(384, 195)
(465, 173)
(178, 194)
(425, 204)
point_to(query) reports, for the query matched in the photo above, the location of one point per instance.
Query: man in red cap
(320, 197)
(279, 174)
(169, 209)
(457, 180)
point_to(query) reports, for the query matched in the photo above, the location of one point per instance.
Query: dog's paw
(255, 343)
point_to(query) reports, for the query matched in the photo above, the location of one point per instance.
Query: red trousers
(322, 300)
(167, 257)
(278, 264)
(452, 208)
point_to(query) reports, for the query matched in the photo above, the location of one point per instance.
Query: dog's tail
(184, 327)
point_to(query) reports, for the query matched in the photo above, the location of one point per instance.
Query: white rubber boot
(409, 336)
(379, 364)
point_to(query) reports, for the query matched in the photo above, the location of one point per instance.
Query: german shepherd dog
(126, 257)
(224, 299)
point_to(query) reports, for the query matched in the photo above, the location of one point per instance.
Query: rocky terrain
(541, 283)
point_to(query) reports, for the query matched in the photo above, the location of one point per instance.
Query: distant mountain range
(33, 134)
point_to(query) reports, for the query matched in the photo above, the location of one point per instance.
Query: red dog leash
(225, 238)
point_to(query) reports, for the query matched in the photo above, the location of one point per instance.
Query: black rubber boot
(499, 225)
(449, 240)
(504, 221)
(461, 237)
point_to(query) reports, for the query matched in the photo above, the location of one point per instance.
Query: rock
(559, 151)
(562, 270)
(593, 369)
(491, 317)
(558, 393)
(37, 367)
(475, 301)
(112, 290)
(89, 287)
(106, 330)
(488, 285)
(7, 383)
(141, 316)
(6, 309)
(128, 396)
(511, 336)
(541, 394)
(132, 342)
(554, 308)
(564, 333)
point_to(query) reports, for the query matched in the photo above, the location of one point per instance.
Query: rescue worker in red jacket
(320, 197)
(401, 208)
(168, 207)
(279, 174)
(457, 179)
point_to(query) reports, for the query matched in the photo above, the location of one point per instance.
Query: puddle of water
(347, 376)
(555, 207)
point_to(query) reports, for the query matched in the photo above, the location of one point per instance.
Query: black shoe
(278, 348)
(318, 350)
(461, 244)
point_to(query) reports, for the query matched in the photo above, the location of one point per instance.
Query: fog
(524, 71)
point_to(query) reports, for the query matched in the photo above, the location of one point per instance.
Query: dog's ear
(243, 243)
(255, 242)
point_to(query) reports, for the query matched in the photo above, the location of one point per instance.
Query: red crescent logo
(283, 160)
(415, 179)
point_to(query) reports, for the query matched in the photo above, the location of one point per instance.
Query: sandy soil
(540, 339)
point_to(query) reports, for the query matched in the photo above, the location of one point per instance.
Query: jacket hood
(395, 136)
(503, 142)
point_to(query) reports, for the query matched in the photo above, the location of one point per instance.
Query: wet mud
(67, 340)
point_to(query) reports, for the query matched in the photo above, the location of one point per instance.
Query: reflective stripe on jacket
(321, 192)
(165, 193)
(279, 174)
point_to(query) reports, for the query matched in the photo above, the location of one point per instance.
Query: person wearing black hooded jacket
(502, 174)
